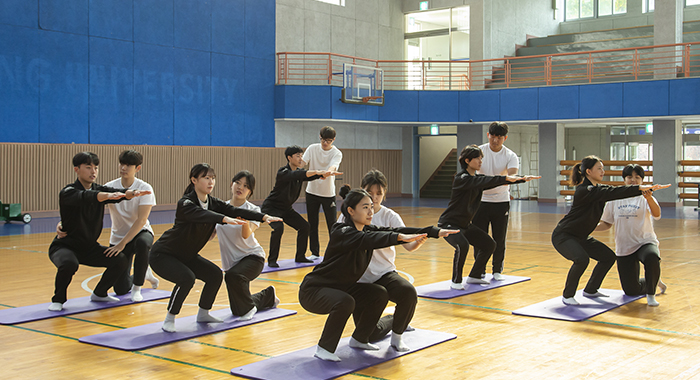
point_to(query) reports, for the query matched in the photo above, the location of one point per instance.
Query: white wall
(433, 150)
(370, 29)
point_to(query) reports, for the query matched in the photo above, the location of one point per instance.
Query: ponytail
(197, 171)
(578, 172)
(344, 191)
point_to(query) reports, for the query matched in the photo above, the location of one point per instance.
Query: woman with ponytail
(332, 287)
(175, 256)
(571, 236)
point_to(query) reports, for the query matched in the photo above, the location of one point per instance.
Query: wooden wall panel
(33, 174)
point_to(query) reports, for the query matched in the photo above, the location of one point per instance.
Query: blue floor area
(44, 225)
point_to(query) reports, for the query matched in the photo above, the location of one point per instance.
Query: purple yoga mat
(72, 306)
(442, 290)
(589, 307)
(302, 365)
(290, 264)
(151, 335)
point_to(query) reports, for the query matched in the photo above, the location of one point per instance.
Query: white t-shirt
(497, 163)
(319, 159)
(633, 225)
(125, 213)
(382, 259)
(231, 243)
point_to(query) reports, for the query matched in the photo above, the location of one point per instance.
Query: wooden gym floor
(634, 341)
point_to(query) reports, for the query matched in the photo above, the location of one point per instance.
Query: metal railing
(600, 66)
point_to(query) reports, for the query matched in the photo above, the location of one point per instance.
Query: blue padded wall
(593, 101)
(157, 72)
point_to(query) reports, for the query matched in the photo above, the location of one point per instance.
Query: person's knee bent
(277, 228)
(69, 267)
(304, 228)
(344, 306)
(142, 245)
(235, 278)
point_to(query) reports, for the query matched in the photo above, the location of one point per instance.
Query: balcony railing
(600, 66)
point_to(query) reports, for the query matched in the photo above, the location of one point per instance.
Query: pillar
(551, 152)
(668, 145)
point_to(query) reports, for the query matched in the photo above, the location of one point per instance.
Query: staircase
(440, 183)
(529, 71)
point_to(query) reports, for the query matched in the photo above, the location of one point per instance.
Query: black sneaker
(273, 265)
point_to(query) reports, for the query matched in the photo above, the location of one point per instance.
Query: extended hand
(271, 219)
(407, 238)
(234, 221)
(444, 233)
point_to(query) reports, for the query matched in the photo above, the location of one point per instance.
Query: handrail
(609, 65)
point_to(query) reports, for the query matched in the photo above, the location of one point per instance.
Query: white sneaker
(314, 257)
(570, 301)
(499, 277)
(594, 295)
(472, 280)
(457, 286)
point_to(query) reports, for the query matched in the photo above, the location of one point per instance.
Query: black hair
(249, 179)
(87, 158)
(578, 172)
(327, 133)
(498, 128)
(374, 177)
(197, 171)
(351, 199)
(469, 152)
(130, 157)
(632, 168)
(292, 150)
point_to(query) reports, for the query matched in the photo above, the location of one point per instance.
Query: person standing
(280, 200)
(81, 205)
(322, 156)
(495, 203)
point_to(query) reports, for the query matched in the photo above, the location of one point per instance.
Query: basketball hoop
(366, 99)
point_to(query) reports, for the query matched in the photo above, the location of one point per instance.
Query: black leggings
(365, 302)
(137, 250)
(68, 260)
(183, 274)
(580, 251)
(481, 241)
(294, 220)
(495, 214)
(313, 204)
(403, 294)
(628, 269)
(238, 280)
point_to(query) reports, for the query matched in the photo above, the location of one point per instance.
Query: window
(577, 9)
(647, 6)
(691, 2)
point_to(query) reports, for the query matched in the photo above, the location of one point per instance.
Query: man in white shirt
(131, 230)
(495, 203)
(325, 157)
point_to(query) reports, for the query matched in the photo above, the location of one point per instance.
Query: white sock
(662, 287)
(397, 343)
(457, 286)
(410, 328)
(651, 300)
(570, 301)
(94, 297)
(151, 278)
(56, 306)
(499, 277)
(354, 343)
(324, 354)
(136, 293)
(169, 323)
(472, 280)
(249, 315)
(594, 295)
(203, 316)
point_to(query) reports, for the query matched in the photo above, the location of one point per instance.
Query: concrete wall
(633, 17)
(370, 29)
(587, 141)
(348, 135)
(433, 150)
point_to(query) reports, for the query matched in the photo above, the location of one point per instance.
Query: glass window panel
(571, 9)
(651, 5)
(431, 20)
(692, 2)
(620, 7)
(587, 8)
(605, 7)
